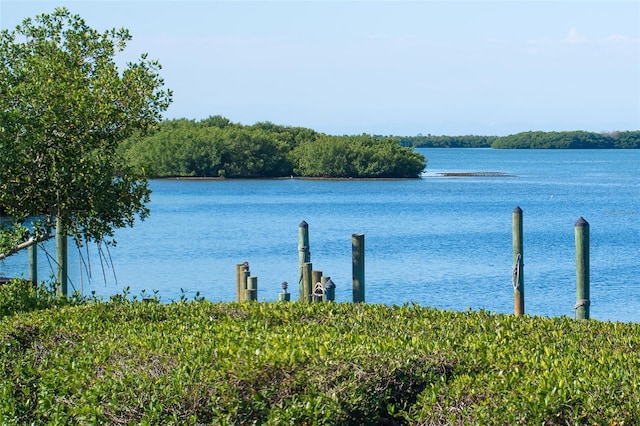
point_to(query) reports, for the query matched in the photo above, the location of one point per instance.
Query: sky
(400, 68)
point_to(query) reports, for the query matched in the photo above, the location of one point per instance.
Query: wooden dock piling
(242, 273)
(251, 294)
(329, 289)
(357, 256)
(285, 296)
(582, 269)
(304, 256)
(33, 263)
(518, 263)
(307, 284)
(316, 277)
(238, 282)
(61, 258)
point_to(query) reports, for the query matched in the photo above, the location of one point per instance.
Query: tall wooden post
(245, 280)
(518, 263)
(357, 260)
(33, 264)
(582, 269)
(61, 257)
(307, 285)
(303, 255)
(242, 273)
(239, 286)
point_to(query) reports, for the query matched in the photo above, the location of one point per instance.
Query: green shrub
(132, 362)
(20, 295)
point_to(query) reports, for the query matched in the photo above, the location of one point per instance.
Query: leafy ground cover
(197, 362)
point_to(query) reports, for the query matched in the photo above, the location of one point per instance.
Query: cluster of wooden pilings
(582, 266)
(313, 285)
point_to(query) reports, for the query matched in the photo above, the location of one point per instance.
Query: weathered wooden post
(518, 263)
(242, 273)
(251, 294)
(329, 288)
(285, 296)
(582, 269)
(245, 280)
(61, 257)
(357, 257)
(33, 263)
(316, 277)
(239, 286)
(304, 255)
(307, 284)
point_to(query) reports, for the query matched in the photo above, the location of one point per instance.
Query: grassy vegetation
(196, 362)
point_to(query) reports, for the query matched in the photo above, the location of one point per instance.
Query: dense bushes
(534, 140)
(433, 141)
(217, 147)
(356, 156)
(128, 362)
(574, 140)
(213, 147)
(18, 295)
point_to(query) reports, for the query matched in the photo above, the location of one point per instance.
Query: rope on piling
(515, 278)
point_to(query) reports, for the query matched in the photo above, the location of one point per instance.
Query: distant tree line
(532, 140)
(570, 140)
(432, 141)
(217, 147)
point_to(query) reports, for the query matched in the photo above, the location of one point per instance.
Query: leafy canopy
(218, 147)
(64, 108)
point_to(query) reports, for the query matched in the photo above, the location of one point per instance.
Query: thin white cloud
(574, 37)
(618, 38)
(534, 45)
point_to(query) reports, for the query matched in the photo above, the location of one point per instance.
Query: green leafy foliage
(433, 141)
(356, 156)
(533, 140)
(64, 108)
(574, 140)
(11, 235)
(19, 296)
(131, 362)
(217, 147)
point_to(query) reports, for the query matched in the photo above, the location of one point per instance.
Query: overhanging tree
(64, 108)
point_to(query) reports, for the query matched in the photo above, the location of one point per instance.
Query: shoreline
(438, 174)
(280, 178)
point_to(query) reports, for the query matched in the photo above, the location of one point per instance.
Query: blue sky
(386, 67)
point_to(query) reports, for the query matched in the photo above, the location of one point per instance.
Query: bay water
(438, 241)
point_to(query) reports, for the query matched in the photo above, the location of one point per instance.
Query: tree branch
(26, 244)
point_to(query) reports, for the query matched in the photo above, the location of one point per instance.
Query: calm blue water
(438, 241)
